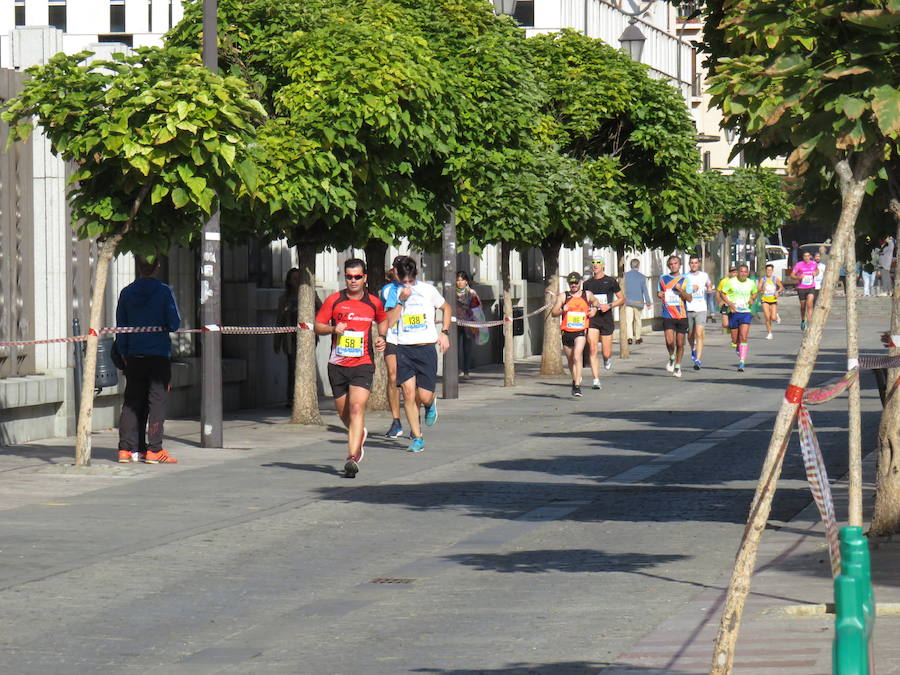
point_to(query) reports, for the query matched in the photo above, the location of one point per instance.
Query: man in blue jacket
(148, 367)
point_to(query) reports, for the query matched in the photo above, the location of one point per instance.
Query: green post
(854, 607)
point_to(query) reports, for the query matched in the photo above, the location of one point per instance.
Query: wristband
(383, 337)
(445, 331)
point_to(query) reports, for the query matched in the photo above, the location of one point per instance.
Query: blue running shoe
(431, 413)
(694, 355)
(396, 430)
(417, 445)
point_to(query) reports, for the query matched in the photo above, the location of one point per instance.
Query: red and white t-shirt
(352, 348)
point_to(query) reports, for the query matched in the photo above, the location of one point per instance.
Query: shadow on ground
(563, 560)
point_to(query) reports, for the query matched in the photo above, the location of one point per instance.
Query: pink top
(807, 272)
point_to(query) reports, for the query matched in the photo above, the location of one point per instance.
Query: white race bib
(350, 344)
(672, 298)
(807, 279)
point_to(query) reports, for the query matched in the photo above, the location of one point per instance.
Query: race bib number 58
(350, 344)
(414, 322)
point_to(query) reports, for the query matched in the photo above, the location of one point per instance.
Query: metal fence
(16, 243)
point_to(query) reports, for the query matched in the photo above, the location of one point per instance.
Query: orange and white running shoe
(126, 456)
(161, 457)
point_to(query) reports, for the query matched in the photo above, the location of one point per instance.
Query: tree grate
(391, 580)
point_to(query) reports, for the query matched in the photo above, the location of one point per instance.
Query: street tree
(603, 107)
(817, 82)
(750, 199)
(159, 143)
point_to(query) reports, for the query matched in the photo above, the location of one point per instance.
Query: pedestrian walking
(698, 286)
(576, 306)
(637, 298)
(869, 270)
(468, 306)
(413, 307)
(348, 316)
(885, 262)
(674, 295)
(286, 343)
(769, 288)
(145, 302)
(601, 326)
(805, 273)
(739, 293)
(391, 288)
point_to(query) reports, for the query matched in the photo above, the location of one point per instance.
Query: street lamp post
(211, 281)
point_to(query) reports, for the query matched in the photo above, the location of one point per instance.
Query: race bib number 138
(414, 322)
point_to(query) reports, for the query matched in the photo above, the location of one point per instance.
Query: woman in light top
(770, 287)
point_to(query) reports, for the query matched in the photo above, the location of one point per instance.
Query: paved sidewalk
(788, 621)
(486, 553)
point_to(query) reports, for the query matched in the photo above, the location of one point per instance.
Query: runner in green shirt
(739, 293)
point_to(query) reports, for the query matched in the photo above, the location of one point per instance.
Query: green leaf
(180, 198)
(886, 106)
(158, 193)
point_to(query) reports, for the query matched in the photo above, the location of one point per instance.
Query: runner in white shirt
(820, 275)
(412, 308)
(698, 285)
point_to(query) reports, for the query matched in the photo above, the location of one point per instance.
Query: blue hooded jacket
(147, 302)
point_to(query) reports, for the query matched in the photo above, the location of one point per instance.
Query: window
(150, 16)
(117, 16)
(524, 13)
(707, 160)
(20, 12)
(121, 38)
(57, 14)
(170, 13)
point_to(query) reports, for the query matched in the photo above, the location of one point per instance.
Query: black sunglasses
(354, 277)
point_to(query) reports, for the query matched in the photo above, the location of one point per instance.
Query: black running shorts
(343, 377)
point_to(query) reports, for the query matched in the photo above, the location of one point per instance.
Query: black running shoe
(351, 468)
(576, 391)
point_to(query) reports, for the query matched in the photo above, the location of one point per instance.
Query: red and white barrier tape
(817, 477)
(227, 330)
(500, 322)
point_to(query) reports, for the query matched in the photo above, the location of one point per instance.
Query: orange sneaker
(126, 456)
(161, 457)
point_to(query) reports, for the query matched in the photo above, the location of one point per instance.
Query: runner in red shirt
(348, 316)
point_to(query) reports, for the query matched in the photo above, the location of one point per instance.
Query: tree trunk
(624, 349)
(853, 183)
(551, 352)
(760, 255)
(886, 516)
(854, 426)
(509, 350)
(306, 399)
(86, 413)
(376, 250)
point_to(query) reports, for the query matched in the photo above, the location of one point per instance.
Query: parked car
(823, 248)
(777, 256)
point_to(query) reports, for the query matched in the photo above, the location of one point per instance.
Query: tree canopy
(158, 140)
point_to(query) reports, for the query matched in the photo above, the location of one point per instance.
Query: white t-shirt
(819, 276)
(697, 282)
(416, 325)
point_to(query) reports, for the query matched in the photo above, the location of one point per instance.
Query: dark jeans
(144, 406)
(464, 348)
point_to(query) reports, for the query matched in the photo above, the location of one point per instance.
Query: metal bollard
(854, 607)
